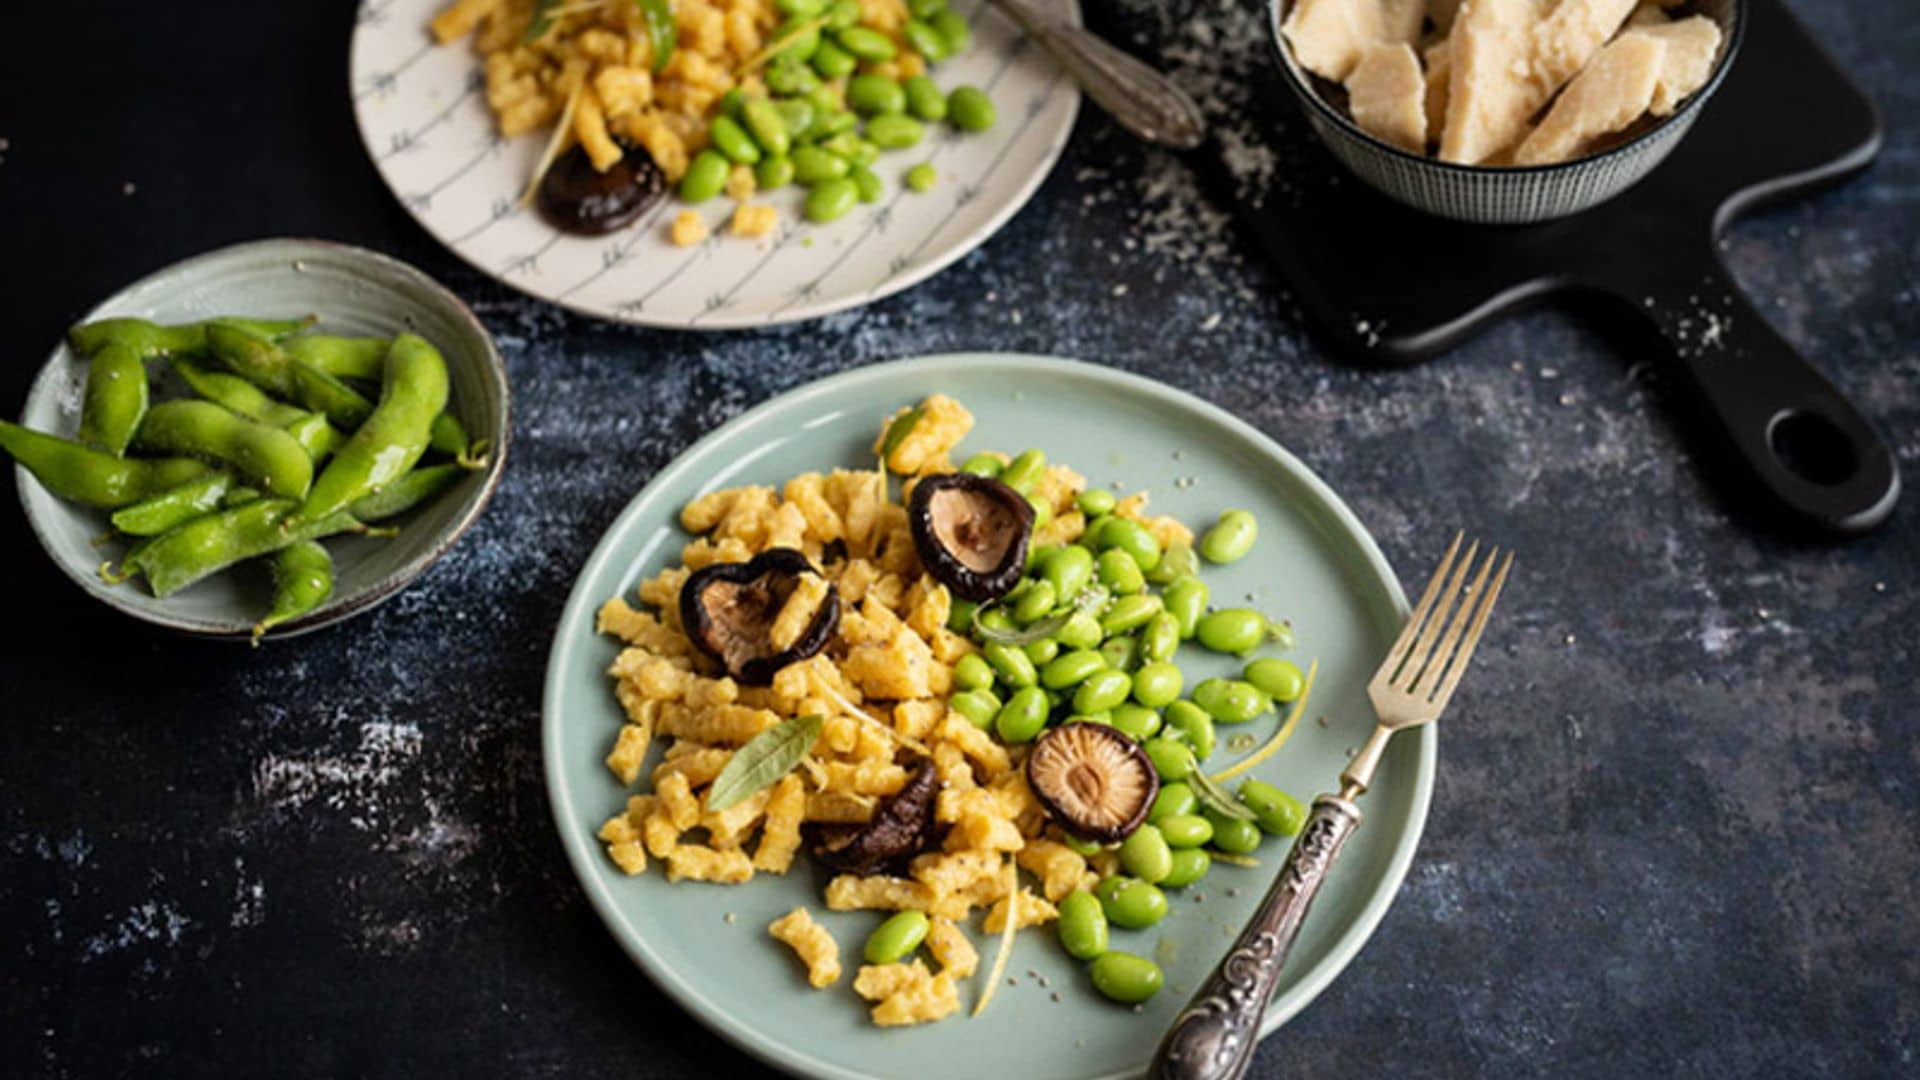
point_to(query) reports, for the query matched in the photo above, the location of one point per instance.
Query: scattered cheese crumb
(689, 228)
(754, 220)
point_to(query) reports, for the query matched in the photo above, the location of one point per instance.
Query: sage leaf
(542, 21)
(765, 758)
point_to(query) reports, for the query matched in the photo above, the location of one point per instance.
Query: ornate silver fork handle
(1215, 1035)
(1141, 99)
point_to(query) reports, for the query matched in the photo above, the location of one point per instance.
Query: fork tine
(1473, 634)
(1422, 652)
(1430, 678)
(1398, 654)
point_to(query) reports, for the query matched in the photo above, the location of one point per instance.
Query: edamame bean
(769, 128)
(1186, 830)
(996, 619)
(1070, 669)
(1101, 718)
(866, 44)
(1022, 717)
(1042, 651)
(1130, 613)
(789, 75)
(982, 464)
(1038, 554)
(875, 94)
(1120, 652)
(829, 123)
(831, 199)
(1280, 678)
(1021, 473)
(972, 673)
(1277, 812)
(843, 14)
(960, 616)
(894, 131)
(1096, 501)
(953, 27)
(1068, 571)
(1137, 721)
(1231, 630)
(832, 61)
(1230, 538)
(797, 114)
(1157, 684)
(1146, 855)
(1118, 572)
(1177, 562)
(1159, 638)
(706, 177)
(805, 9)
(731, 103)
(1186, 601)
(1174, 800)
(897, 938)
(798, 39)
(1134, 904)
(1133, 538)
(922, 177)
(1083, 925)
(1171, 759)
(1125, 978)
(1194, 726)
(773, 172)
(978, 706)
(1189, 866)
(1034, 602)
(1012, 664)
(732, 140)
(1231, 701)
(863, 153)
(1102, 690)
(1083, 848)
(1082, 631)
(1042, 511)
(1235, 836)
(920, 9)
(925, 100)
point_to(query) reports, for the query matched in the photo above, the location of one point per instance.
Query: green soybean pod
(1070, 669)
(409, 491)
(1194, 725)
(831, 199)
(1125, 978)
(925, 40)
(1146, 855)
(1082, 631)
(814, 165)
(1186, 600)
(1174, 800)
(1119, 573)
(732, 140)
(1102, 690)
(1281, 679)
(978, 706)
(705, 177)
(1136, 721)
(1012, 664)
(1022, 717)
(1083, 924)
(1236, 631)
(1186, 830)
(866, 44)
(1230, 538)
(1022, 472)
(972, 673)
(1160, 637)
(1231, 701)
(1133, 538)
(1135, 904)
(264, 454)
(1130, 613)
(773, 172)
(175, 506)
(115, 399)
(896, 939)
(413, 392)
(302, 581)
(925, 100)
(1276, 811)
(1171, 758)
(1235, 836)
(982, 464)
(832, 61)
(970, 109)
(1096, 501)
(1042, 651)
(208, 545)
(874, 95)
(1157, 684)
(1189, 866)
(952, 26)
(894, 131)
(1068, 570)
(867, 184)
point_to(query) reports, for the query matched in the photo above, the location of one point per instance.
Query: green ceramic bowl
(354, 291)
(707, 945)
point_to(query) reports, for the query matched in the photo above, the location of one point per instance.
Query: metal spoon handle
(1214, 1037)
(1141, 99)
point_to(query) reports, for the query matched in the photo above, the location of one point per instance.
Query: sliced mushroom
(729, 609)
(576, 197)
(902, 826)
(1094, 781)
(971, 533)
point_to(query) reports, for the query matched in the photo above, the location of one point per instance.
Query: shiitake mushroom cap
(577, 198)
(971, 533)
(1094, 781)
(901, 827)
(728, 609)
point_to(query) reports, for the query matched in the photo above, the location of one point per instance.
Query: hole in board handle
(1812, 447)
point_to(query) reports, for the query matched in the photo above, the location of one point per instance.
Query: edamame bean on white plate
(1052, 1013)
(939, 182)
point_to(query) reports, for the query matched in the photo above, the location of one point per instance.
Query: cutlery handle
(1214, 1037)
(1143, 100)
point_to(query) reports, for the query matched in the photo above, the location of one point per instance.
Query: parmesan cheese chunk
(1328, 35)
(1508, 62)
(1388, 96)
(1693, 44)
(1611, 93)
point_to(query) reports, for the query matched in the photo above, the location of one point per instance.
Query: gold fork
(1214, 1036)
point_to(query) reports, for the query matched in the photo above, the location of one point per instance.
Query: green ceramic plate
(707, 946)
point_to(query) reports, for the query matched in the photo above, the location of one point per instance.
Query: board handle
(1811, 459)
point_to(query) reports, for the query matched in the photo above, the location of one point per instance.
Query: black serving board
(1406, 286)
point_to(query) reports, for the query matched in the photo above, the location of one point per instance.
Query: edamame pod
(393, 438)
(302, 581)
(116, 399)
(235, 393)
(208, 545)
(267, 455)
(267, 366)
(149, 339)
(176, 506)
(407, 492)
(340, 357)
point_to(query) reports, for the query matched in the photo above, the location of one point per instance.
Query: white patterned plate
(424, 119)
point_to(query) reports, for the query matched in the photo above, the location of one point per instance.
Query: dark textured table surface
(1677, 826)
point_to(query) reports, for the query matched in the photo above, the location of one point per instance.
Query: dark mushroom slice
(728, 610)
(577, 198)
(1094, 781)
(971, 533)
(902, 826)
